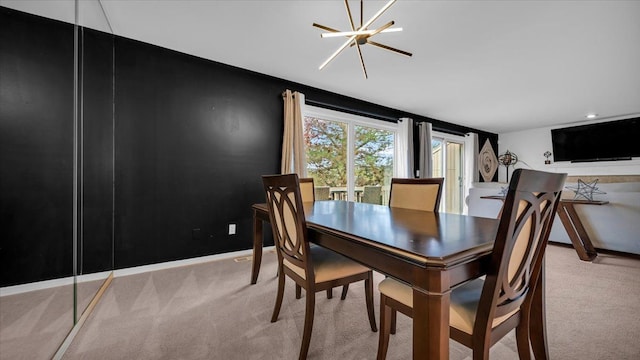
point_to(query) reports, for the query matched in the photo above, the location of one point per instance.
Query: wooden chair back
(516, 260)
(416, 194)
(288, 223)
(307, 190)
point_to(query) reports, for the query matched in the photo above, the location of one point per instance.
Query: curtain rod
(349, 110)
(293, 93)
(441, 129)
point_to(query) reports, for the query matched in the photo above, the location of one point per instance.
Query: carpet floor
(34, 324)
(209, 311)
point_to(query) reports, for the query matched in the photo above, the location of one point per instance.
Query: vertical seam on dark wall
(75, 163)
(81, 155)
(113, 150)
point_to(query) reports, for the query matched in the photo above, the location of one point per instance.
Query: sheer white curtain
(293, 156)
(404, 149)
(425, 160)
(471, 151)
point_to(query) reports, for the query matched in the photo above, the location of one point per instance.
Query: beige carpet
(34, 324)
(210, 311)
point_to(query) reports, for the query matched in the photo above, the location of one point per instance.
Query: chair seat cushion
(464, 302)
(329, 265)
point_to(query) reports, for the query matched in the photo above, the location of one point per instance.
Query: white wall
(614, 226)
(529, 145)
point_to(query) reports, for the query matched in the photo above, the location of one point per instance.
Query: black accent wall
(96, 95)
(36, 148)
(192, 138)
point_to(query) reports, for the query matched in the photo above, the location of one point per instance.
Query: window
(448, 162)
(349, 157)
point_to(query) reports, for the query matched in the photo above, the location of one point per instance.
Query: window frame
(353, 120)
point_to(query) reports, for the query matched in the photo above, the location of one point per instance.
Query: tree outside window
(327, 150)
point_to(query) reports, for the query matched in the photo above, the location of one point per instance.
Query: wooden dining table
(433, 252)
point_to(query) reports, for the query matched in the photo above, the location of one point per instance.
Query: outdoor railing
(369, 194)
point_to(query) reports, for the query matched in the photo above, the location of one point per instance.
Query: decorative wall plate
(487, 162)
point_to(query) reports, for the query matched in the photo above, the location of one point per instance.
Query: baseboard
(47, 284)
(39, 285)
(185, 262)
(600, 250)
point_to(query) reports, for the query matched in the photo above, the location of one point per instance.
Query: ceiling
(497, 66)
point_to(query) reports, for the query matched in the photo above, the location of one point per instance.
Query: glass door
(448, 162)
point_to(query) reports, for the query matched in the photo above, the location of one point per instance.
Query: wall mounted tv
(607, 141)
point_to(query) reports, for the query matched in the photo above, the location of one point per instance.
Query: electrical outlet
(232, 229)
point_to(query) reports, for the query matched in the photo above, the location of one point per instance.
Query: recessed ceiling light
(591, 116)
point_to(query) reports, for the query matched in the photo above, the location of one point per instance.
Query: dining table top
(423, 237)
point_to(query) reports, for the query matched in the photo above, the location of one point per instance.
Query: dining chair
(323, 192)
(416, 194)
(484, 310)
(313, 268)
(372, 194)
(307, 190)
(311, 193)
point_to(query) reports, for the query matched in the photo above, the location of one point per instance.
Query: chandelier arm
(337, 52)
(346, 5)
(382, 28)
(378, 14)
(326, 28)
(366, 33)
(364, 70)
(389, 48)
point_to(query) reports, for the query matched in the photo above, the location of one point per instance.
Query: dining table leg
(538, 321)
(430, 325)
(257, 247)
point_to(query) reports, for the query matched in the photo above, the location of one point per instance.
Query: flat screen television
(607, 141)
